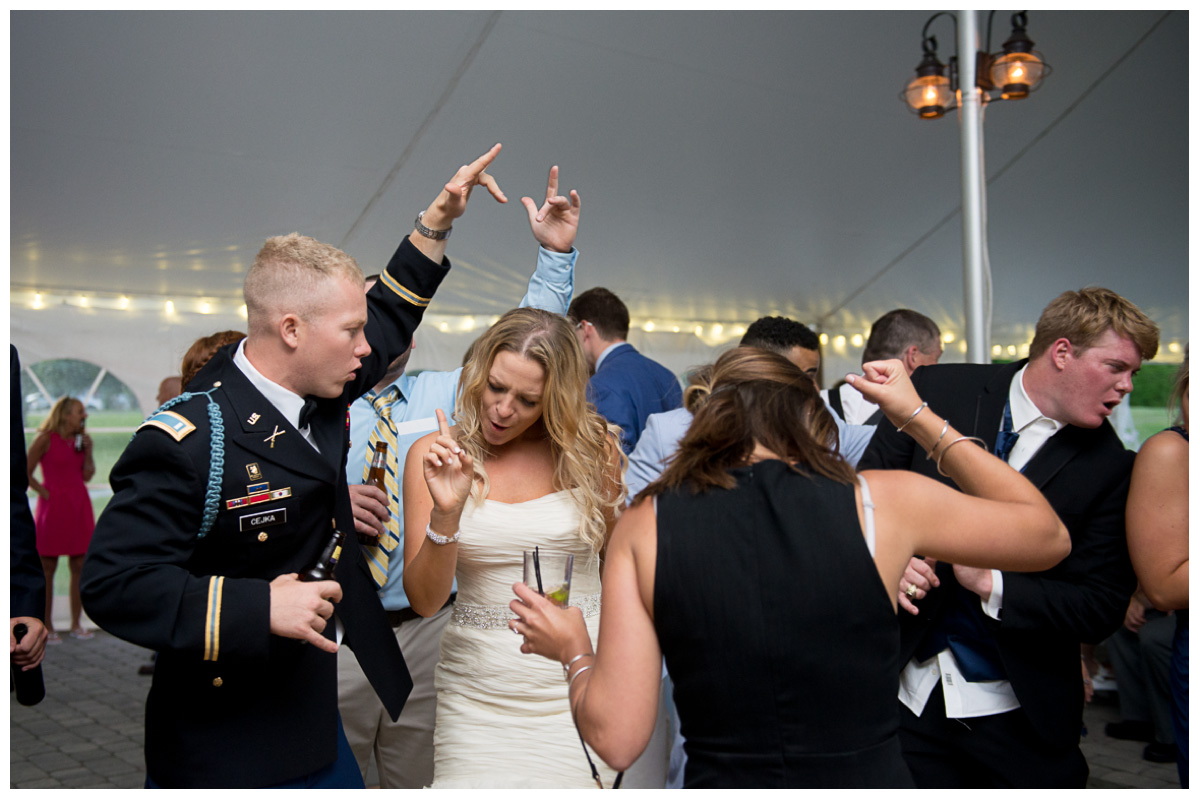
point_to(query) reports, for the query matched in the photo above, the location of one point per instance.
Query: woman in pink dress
(64, 511)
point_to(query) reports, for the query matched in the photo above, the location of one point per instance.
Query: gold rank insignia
(258, 493)
(254, 472)
(175, 425)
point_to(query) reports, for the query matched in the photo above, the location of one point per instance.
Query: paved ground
(87, 733)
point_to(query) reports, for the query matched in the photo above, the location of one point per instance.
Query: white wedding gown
(502, 716)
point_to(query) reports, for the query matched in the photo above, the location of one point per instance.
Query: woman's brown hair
(202, 351)
(755, 397)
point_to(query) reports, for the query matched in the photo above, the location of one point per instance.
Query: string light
(713, 334)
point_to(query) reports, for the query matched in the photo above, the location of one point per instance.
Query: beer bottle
(322, 568)
(29, 685)
(377, 476)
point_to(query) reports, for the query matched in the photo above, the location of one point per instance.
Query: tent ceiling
(730, 164)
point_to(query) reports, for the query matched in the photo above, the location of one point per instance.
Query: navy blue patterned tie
(1006, 439)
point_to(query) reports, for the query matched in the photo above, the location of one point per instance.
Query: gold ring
(911, 591)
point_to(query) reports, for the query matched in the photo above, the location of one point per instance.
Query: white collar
(608, 350)
(287, 402)
(1024, 411)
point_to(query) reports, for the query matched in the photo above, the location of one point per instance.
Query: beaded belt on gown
(499, 616)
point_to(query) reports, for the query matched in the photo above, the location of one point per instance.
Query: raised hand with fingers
(452, 202)
(556, 223)
(886, 383)
(449, 471)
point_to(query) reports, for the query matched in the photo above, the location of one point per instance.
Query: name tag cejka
(262, 519)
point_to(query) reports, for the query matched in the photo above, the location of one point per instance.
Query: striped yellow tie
(385, 431)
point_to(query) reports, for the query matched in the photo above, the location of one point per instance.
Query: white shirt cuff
(995, 600)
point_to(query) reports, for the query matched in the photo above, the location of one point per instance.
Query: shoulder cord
(216, 465)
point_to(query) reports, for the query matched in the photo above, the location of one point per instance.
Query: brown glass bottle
(322, 568)
(377, 476)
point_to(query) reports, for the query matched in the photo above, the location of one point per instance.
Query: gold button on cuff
(217, 682)
(262, 537)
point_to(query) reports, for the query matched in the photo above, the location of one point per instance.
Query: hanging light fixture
(1009, 75)
(930, 94)
(1018, 70)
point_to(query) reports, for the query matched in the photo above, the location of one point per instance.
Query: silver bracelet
(431, 233)
(567, 666)
(945, 428)
(437, 538)
(981, 443)
(578, 672)
(913, 416)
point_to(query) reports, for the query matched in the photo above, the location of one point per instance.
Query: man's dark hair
(604, 310)
(896, 331)
(779, 335)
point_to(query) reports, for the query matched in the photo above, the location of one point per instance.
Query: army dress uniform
(216, 495)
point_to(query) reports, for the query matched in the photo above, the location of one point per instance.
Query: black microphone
(28, 684)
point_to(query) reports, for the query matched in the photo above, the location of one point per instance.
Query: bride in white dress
(529, 463)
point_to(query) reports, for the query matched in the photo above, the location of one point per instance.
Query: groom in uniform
(990, 690)
(227, 492)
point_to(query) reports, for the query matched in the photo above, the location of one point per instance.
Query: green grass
(1150, 421)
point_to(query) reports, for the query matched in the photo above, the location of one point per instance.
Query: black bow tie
(306, 412)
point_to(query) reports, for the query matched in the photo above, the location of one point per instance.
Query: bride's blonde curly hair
(579, 437)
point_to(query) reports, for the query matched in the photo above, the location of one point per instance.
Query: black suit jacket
(1084, 473)
(231, 704)
(27, 582)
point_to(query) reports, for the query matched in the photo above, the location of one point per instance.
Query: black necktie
(306, 412)
(1006, 439)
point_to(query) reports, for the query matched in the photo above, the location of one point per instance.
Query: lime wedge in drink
(559, 596)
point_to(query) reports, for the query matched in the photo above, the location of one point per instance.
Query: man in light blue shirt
(404, 749)
(792, 340)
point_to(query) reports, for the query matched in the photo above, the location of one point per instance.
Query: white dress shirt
(286, 402)
(983, 698)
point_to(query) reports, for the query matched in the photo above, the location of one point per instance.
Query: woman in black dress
(761, 567)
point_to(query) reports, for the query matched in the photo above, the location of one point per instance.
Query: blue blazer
(628, 387)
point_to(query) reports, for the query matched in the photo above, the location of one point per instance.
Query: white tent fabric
(731, 164)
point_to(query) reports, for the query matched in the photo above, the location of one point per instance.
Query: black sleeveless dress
(778, 635)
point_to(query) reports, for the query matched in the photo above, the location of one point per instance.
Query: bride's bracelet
(437, 538)
(567, 666)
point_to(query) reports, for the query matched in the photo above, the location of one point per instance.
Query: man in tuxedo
(909, 336)
(230, 490)
(26, 580)
(626, 387)
(1004, 646)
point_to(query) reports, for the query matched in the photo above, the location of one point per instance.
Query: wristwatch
(430, 233)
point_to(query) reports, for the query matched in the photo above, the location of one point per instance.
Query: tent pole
(971, 137)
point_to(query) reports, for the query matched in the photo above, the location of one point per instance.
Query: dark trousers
(341, 774)
(1002, 751)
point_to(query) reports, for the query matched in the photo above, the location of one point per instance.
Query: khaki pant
(403, 749)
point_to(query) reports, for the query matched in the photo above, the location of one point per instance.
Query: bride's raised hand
(449, 470)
